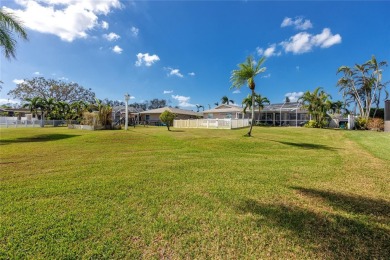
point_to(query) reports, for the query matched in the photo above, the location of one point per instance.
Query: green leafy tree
(50, 88)
(246, 75)
(10, 27)
(362, 85)
(167, 118)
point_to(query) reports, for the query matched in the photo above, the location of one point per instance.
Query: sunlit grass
(194, 193)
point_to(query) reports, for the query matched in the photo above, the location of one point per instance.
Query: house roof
(287, 106)
(130, 108)
(223, 108)
(173, 110)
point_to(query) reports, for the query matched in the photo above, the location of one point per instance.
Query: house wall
(222, 115)
(156, 117)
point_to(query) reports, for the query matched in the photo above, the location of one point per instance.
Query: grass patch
(193, 193)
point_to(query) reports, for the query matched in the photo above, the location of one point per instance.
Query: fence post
(25, 123)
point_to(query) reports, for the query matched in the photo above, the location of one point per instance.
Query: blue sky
(184, 51)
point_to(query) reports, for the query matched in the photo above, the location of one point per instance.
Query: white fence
(226, 123)
(13, 122)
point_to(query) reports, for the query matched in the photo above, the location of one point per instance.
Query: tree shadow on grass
(326, 234)
(352, 204)
(308, 145)
(38, 138)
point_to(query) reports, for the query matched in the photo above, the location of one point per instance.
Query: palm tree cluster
(56, 110)
(362, 85)
(317, 103)
(260, 101)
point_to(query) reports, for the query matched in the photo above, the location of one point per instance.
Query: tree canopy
(167, 118)
(50, 88)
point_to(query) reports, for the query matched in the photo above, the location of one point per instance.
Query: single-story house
(225, 111)
(282, 114)
(153, 116)
(119, 114)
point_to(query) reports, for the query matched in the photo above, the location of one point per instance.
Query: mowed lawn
(194, 193)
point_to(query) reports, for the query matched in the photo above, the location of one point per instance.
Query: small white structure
(224, 111)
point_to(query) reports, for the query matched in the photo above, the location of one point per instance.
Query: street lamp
(127, 97)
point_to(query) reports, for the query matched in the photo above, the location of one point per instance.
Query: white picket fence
(8, 122)
(225, 123)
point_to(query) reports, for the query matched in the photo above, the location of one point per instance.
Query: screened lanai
(283, 114)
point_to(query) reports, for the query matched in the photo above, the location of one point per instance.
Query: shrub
(315, 124)
(167, 117)
(361, 123)
(376, 124)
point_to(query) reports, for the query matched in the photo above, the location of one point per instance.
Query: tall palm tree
(260, 102)
(9, 25)
(246, 75)
(226, 100)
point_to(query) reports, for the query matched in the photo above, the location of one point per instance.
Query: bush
(361, 123)
(376, 124)
(315, 124)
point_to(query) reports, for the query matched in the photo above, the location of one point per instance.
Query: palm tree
(362, 84)
(198, 107)
(261, 101)
(33, 104)
(246, 75)
(216, 103)
(317, 104)
(247, 102)
(226, 100)
(9, 25)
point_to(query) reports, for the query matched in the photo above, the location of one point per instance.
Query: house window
(147, 117)
(228, 115)
(210, 115)
(293, 116)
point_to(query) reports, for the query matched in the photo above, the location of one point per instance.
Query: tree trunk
(253, 113)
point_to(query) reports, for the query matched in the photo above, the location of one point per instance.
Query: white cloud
(293, 96)
(326, 39)
(270, 51)
(266, 76)
(168, 91)
(18, 81)
(37, 73)
(174, 72)
(146, 59)
(192, 74)
(298, 23)
(237, 91)
(304, 42)
(4, 101)
(117, 49)
(67, 19)
(183, 101)
(63, 78)
(134, 31)
(111, 36)
(105, 25)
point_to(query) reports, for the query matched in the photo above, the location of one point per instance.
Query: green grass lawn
(194, 193)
